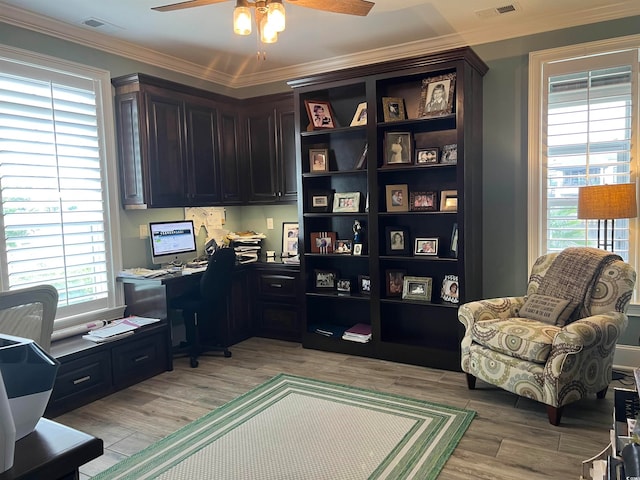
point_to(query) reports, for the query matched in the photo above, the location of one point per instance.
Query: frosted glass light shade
(276, 15)
(242, 20)
(267, 33)
(604, 202)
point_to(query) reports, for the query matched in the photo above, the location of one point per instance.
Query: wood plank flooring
(509, 439)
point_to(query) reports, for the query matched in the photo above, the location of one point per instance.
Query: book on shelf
(327, 329)
(360, 332)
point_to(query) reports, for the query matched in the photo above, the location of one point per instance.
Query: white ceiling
(200, 41)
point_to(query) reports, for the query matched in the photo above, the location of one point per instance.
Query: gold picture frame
(360, 117)
(437, 95)
(397, 198)
(393, 109)
(449, 201)
(417, 288)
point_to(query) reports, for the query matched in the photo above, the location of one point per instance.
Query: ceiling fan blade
(349, 7)
(187, 4)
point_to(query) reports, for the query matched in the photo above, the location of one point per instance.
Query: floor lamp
(606, 203)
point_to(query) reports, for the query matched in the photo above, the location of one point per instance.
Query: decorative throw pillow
(551, 310)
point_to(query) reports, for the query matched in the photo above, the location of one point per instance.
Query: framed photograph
(344, 247)
(450, 288)
(426, 156)
(426, 246)
(323, 242)
(362, 161)
(318, 160)
(394, 280)
(397, 240)
(416, 288)
(360, 117)
(437, 96)
(325, 279)
(346, 202)
(423, 201)
(364, 284)
(397, 148)
(397, 198)
(289, 239)
(357, 249)
(449, 201)
(319, 201)
(393, 109)
(450, 154)
(344, 286)
(320, 114)
(454, 241)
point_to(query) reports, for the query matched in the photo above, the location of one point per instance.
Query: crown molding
(486, 34)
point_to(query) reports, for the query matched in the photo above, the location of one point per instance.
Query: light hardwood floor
(509, 439)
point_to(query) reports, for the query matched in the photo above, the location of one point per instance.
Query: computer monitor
(172, 242)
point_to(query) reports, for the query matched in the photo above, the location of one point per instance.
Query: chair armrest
(488, 309)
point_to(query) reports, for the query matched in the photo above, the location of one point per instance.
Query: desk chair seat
(204, 310)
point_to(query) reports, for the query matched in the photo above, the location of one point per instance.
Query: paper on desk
(114, 328)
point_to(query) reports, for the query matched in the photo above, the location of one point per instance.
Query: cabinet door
(262, 156)
(129, 149)
(230, 158)
(167, 170)
(202, 151)
(287, 155)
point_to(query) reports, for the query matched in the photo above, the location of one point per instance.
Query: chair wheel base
(193, 362)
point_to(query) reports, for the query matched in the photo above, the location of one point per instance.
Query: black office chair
(204, 310)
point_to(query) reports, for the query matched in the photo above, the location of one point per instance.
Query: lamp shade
(603, 202)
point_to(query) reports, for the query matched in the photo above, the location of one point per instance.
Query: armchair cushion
(522, 338)
(547, 309)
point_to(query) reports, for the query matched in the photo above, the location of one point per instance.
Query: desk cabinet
(278, 312)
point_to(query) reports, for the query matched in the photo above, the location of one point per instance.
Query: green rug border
(464, 418)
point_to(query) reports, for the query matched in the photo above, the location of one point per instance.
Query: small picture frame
(450, 289)
(394, 280)
(427, 156)
(362, 161)
(454, 241)
(360, 117)
(323, 242)
(426, 246)
(346, 202)
(343, 247)
(449, 154)
(325, 279)
(319, 201)
(320, 115)
(318, 160)
(344, 286)
(416, 288)
(396, 197)
(423, 201)
(397, 240)
(449, 201)
(364, 284)
(437, 96)
(290, 232)
(393, 109)
(357, 249)
(397, 148)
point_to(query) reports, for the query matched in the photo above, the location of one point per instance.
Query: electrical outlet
(144, 231)
(269, 223)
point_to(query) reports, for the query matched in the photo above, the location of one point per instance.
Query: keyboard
(197, 264)
(189, 270)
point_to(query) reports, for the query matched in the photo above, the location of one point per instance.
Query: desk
(53, 452)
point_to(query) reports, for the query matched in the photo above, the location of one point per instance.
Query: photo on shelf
(416, 288)
(344, 286)
(360, 117)
(364, 284)
(437, 96)
(423, 201)
(357, 249)
(346, 202)
(343, 247)
(397, 240)
(450, 154)
(320, 114)
(396, 197)
(318, 160)
(454, 241)
(426, 156)
(449, 201)
(325, 279)
(362, 161)
(397, 148)
(290, 232)
(394, 281)
(450, 288)
(319, 201)
(323, 242)
(426, 246)
(393, 109)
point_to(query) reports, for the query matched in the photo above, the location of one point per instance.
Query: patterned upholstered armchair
(549, 362)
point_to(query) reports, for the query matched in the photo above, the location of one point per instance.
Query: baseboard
(627, 357)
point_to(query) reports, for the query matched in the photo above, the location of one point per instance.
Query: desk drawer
(275, 285)
(137, 360)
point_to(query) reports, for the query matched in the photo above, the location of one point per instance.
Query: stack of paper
(118, 329)
(360, 332)
(246, 245)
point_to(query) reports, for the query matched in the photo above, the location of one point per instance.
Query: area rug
(295, 428)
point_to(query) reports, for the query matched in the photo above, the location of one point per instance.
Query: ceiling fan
(349, 7)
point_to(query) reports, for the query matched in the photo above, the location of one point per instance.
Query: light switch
(269, 223)
(144, 231)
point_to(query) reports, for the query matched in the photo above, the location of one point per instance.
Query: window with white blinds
(583, 107)
(54, 187)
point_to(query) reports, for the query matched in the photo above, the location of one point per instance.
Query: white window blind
(54, 189)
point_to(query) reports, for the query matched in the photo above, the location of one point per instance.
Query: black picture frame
(325, 280)
(319, 201)
(397, 241)
(364, 284)
(394, 281)
(427, 156)
(423, 201)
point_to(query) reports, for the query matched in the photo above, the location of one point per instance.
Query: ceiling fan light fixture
(276, 15)
(268, 33)
(242, 18)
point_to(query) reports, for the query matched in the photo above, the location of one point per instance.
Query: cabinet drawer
(138, 360)
(273, 285)
(279, 321)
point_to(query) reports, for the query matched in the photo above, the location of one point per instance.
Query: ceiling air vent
(92, 22)
(100, 25)
(501, 10)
